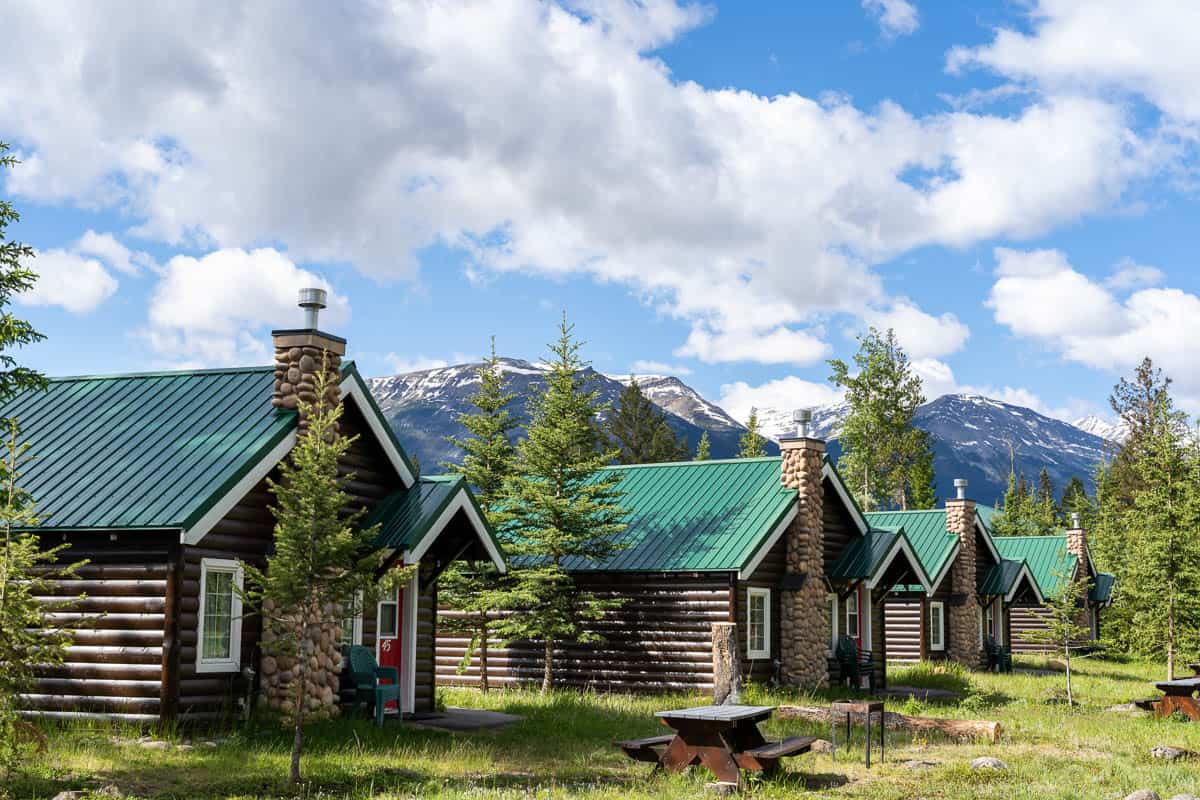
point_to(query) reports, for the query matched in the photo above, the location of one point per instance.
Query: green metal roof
(1101, 591)
(406, 517)
(1045, 555)
(926, 532)
(694, 516)
(864, 556)
(145, 450)
(1000, 579)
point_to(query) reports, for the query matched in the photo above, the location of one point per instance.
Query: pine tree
(1138, 402)
(1045, 510)
(922, 490)
(1062, 628)
(640, 430)
(752, 444)
(322, 556)
(703, 448)
(1160, 587)
(563, 508)
(884, 455)
(27, 571)
(488, 463)
(1075, 500)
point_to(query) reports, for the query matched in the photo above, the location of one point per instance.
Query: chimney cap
(802, 415)
(1075, 520)
(960, 488)
(313, 297)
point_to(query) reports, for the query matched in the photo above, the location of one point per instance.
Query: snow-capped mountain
(980, 439)
(974, 437)
(1116, 432)
(423, 406)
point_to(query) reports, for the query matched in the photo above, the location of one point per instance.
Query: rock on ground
(918, 764)
(1185, 797)
(1168, 753)
(822, 746)
(1143, 794)
(987, 762)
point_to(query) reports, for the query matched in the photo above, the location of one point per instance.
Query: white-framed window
(758, 623)
(989, 620)
(219, 637)
(937, 625)
(352, 623)
(833, 620)
(388, 624)
(852, 629)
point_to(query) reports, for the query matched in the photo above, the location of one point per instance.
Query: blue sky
(726, 191)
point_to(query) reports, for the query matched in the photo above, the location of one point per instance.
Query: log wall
(659, 640)
(114, 666)
(767, 575)
(903, 620)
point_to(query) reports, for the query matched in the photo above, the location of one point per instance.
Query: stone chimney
(962, 612)
(300, 354)
(1077, 538)
(805, 616)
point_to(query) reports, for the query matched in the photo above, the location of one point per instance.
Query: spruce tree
(1045, 510)
(489, 462)
(884, 455)
(752, 444)
(1062, 628)
(703, 448)
(27, 571)
(1075, 500)
(322, 555)
(640, 431)
(922, 489)
(564, 509)
(1138, 402)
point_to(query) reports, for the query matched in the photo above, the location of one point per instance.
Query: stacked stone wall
(962, 613)
(805, 616)
(314, 658)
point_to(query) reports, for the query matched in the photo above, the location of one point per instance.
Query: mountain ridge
(973, 437)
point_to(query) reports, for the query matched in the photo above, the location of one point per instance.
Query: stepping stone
(1143, 794)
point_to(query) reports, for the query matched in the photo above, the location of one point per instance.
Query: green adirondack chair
(368, 691)
(999, 657)
(854, 663)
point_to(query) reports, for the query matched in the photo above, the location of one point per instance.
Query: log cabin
(774, 545)
(1012, 577)
(160, 481)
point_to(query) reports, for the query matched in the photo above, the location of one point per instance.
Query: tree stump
(727, 667)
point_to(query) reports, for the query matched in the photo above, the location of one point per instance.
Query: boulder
(1185, 797)
(919, 764)
(987, 762)
(1143, 794)
(821, 746)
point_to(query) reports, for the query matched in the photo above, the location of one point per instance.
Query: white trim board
(408, 655)
(353, 387)
(902, 545)
(1028, 575)
(745, 572)
(231, 498)
(828, 474)
(460, 503)
(946, 567)
(765, 594)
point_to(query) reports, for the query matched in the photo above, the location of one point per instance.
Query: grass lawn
(562, 749)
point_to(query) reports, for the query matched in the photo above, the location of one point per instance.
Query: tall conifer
(752, 444)
(563, 509)
(640, 431)
(703, 448)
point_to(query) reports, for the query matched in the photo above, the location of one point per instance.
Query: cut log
(955, 728)
(727, 666)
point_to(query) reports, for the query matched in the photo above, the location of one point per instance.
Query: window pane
(387, 619)
(758, 627)
(218, 615)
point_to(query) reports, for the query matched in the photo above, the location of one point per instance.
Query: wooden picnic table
(725, 739)
(1179, 695)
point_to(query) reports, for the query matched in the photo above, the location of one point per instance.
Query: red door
(388, 639)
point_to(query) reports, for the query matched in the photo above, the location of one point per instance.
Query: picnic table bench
(725, 739)
(1179, 695)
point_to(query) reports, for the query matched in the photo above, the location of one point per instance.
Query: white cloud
(644, 367)
(107, 248)
(1040, 295)
(69, 280)
(1131, 275)
(215, 310)
(1148, 50)
(921, 335)
(538, 138)
(896, 17)
(401, 364)
(785, 393)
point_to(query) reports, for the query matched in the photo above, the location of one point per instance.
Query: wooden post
(727, 667)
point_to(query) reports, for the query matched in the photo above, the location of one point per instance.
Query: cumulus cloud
(1131, 275)
(1040, 295)
(895, 17)
(216, 309)
(1100, 45)
(69, 280)
(739, 398)
(106, 247)
(921, 335)
(534, 137)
